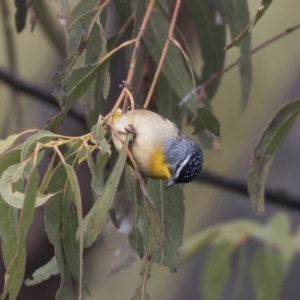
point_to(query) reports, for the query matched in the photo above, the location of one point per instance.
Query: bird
(159, 149)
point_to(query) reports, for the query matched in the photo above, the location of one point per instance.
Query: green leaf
(16, 270)
(42, 136)
(217, 270)
(53, 222)
(80, 8)
(73, 87)
(211, 38)
(20, 16)
(5, 144)
(237, 15)
(98, 137)
(168, 102)
(72, 221)
(95, 221)
(265, 151)
(260, 12)
(221, 233)
(135, 237)
(8, 214)
(141, 291)
(44, 273)
(153, 231)
(206, 120)
(98, 91)
(277, 233)
(169, 203)
(267, 274)
(74, 82)
(15, 198)
(174, 68)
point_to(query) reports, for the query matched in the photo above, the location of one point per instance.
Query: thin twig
(135, 53)
(277, 197)
(221, 72)
(164, 53)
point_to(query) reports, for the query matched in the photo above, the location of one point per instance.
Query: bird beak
(170, 182)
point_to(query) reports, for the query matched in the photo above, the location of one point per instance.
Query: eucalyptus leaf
(174, 67)
(237, 15)
(44, 272)
(53, 222)
(98, 137)
(16, 270)
(211, 33)
(169, 203)
(267, 273)
(265, 151)
(217, 270)
(5, 144)
(141, 291)
(21, 14)
(135, 237)
(8, 214)
(42, 136)
(15, 198)
(206, 120)
(96, 219)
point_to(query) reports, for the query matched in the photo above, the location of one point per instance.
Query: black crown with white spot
(186, 159)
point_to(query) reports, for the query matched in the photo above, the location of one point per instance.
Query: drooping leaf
(21, 13)
(5, 144)
(16, 270)
(206, 120)
(15, 198)
(211, 34)
(44, 272)
(95, 221)
(260, 12)
(217, 270)
(141, 291)
(42, 136)
(8, 214)
(153, 228)
(72, 221)
(135, 236)
(98, 91)
(53, 222)
(98, 137)
(174, 68)
(265, 151)
(169, 203)
(236, 230)
(168, 102)
(80, 8)
(237, 15)
(267, 273)
(277, 233)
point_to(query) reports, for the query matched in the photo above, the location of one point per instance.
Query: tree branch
(31, 90)
(276, 197)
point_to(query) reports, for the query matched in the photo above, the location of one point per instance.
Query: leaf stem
(164, 53)
(135, 53)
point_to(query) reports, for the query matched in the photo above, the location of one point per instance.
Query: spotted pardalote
(159, 149)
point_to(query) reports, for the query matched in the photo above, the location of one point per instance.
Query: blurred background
(276, 77)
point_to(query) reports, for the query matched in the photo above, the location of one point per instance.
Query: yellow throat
(158, 167)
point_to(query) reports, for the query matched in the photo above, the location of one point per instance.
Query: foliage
(147, 36)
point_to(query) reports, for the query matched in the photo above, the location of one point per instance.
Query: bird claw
(131, 129)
